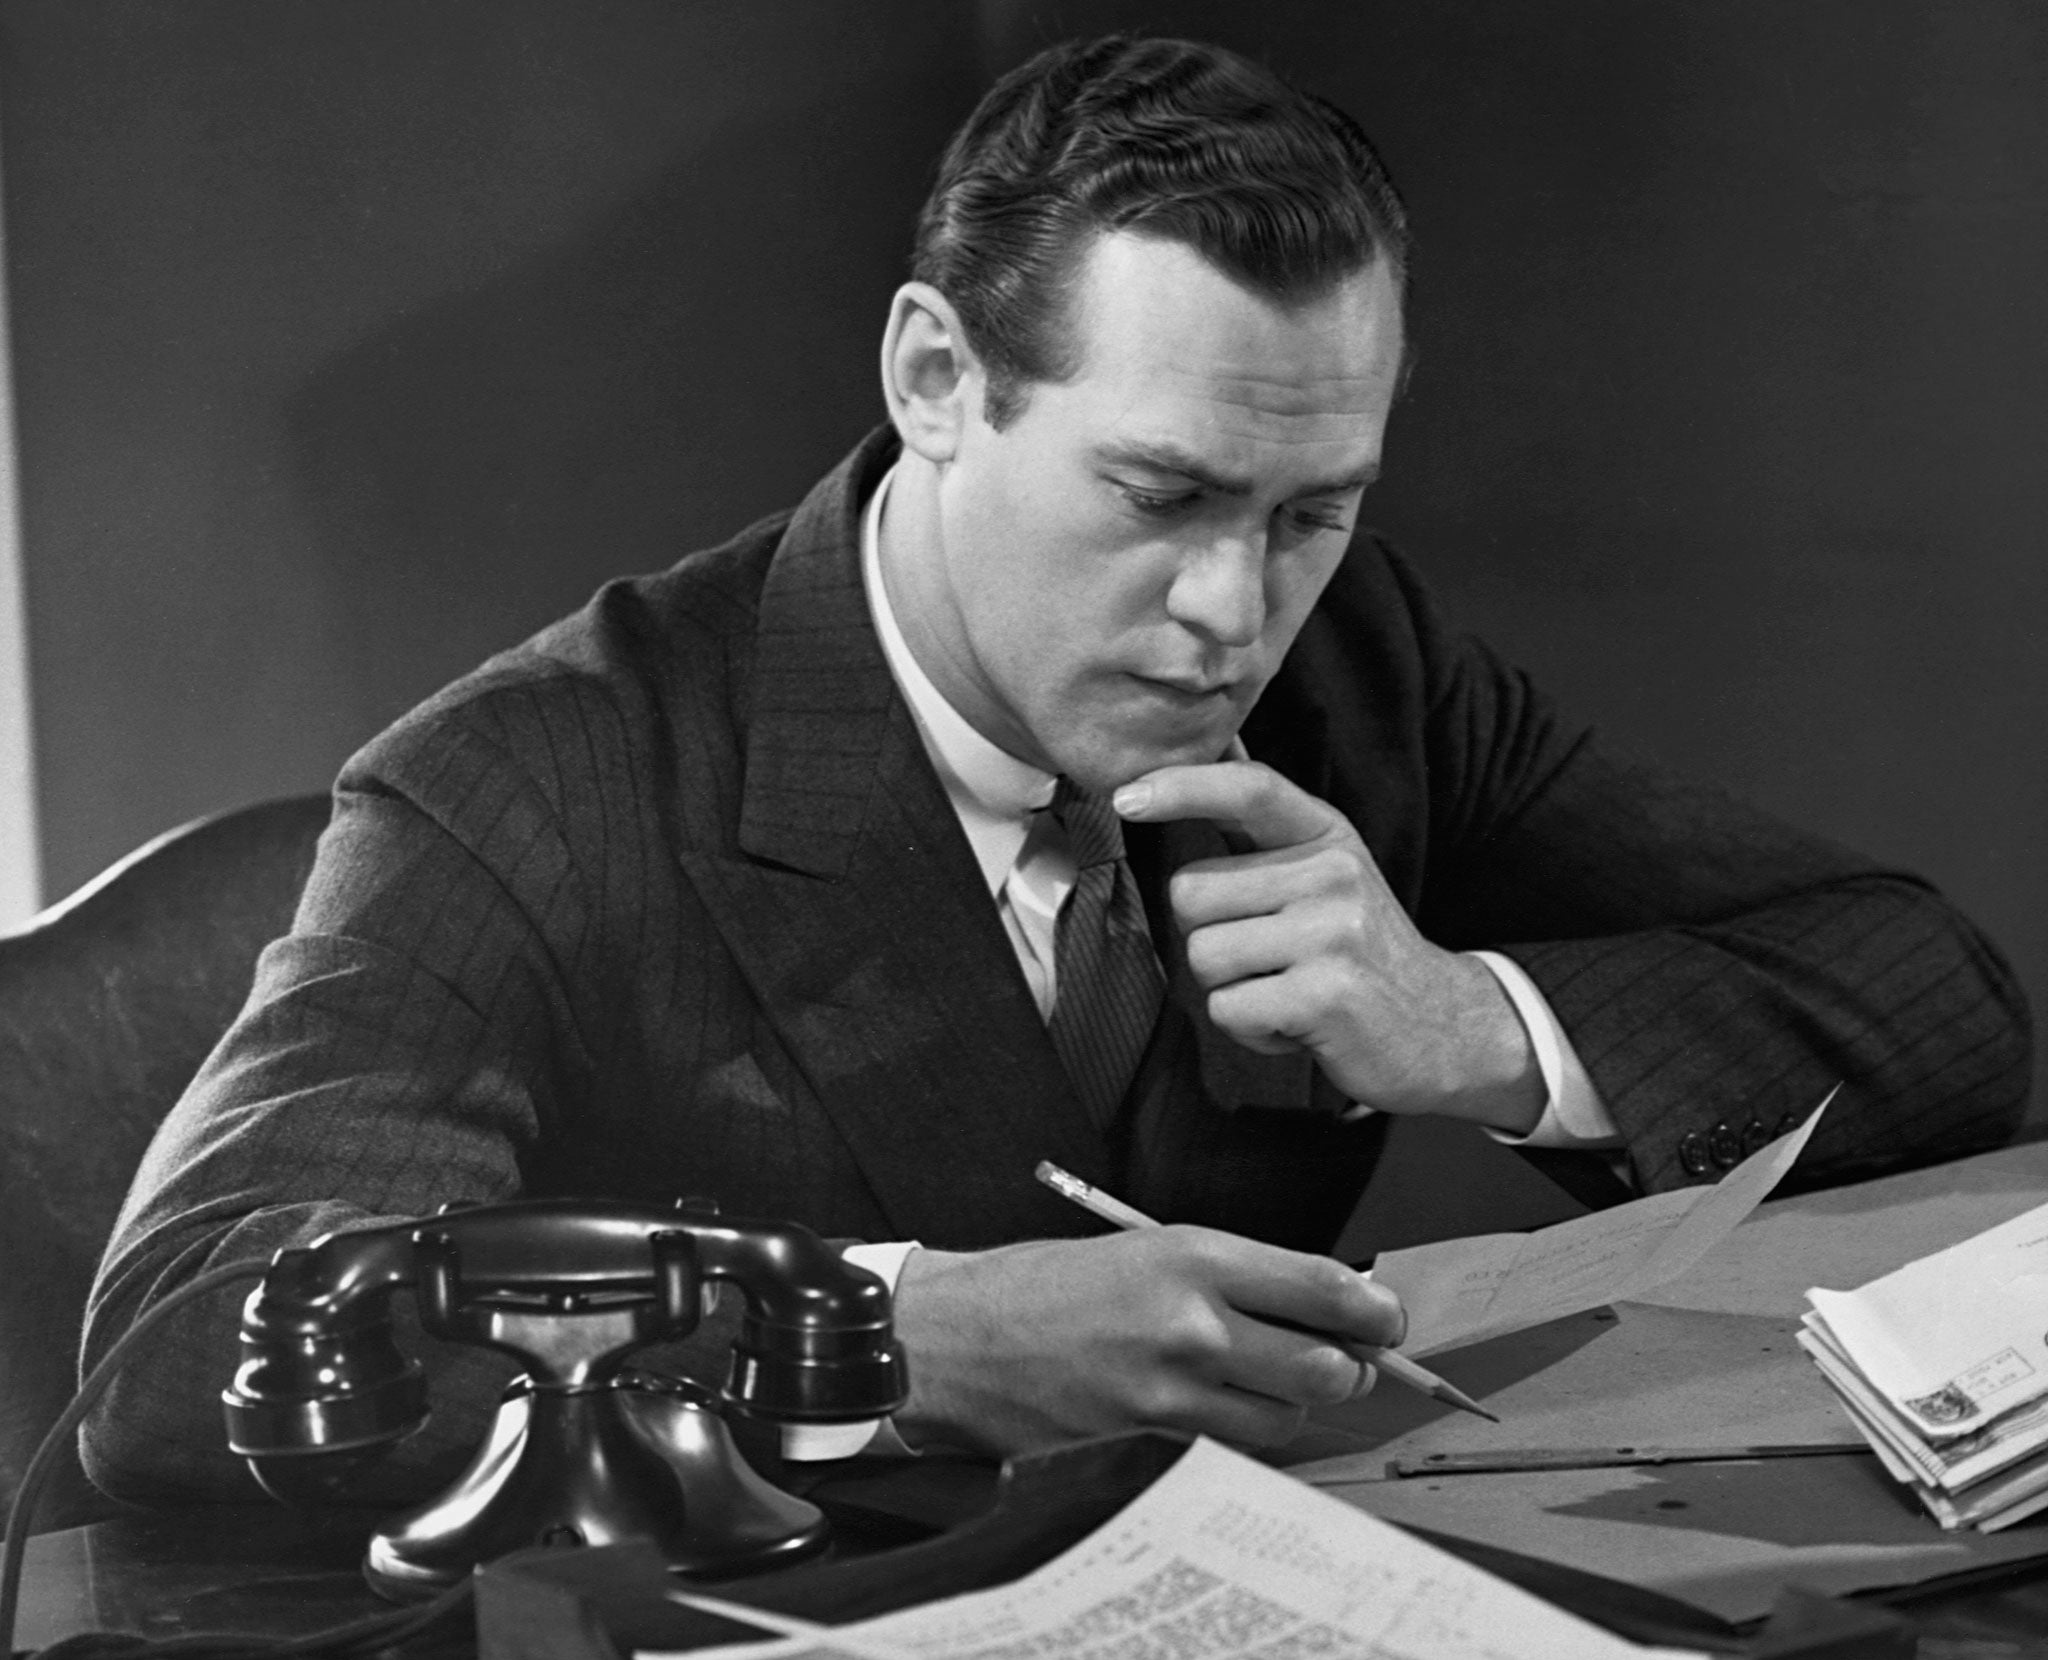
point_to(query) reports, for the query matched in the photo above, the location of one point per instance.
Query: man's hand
(1300, 945)
(1174, 1328)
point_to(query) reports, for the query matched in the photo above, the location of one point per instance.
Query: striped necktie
(1107, 983)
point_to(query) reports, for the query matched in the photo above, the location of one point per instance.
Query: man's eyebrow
(1171, 458)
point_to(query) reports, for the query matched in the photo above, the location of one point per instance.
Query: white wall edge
(20, 850)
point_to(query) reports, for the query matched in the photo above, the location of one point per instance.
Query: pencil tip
(1457, 1397)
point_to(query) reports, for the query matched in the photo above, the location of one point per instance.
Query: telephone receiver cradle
(585, 1449)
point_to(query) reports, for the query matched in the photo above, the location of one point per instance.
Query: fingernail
(1132, 798)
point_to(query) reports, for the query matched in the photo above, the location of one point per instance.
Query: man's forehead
(1149, 310)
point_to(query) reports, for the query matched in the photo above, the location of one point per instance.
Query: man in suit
(760, 878)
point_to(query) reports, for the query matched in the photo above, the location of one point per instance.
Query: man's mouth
(1187, 689)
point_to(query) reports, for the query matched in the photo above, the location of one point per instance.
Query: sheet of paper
(1957, 1338)
(1219, 1558)
(1463, 1291)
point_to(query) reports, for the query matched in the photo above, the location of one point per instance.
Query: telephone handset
(585, 1448)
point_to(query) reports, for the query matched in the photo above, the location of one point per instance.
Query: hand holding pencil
(1390, 1361)
(1186, 1328)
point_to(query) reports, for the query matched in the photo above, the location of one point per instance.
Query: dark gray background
(355, 341)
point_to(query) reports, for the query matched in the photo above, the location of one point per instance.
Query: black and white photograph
(1023, 827)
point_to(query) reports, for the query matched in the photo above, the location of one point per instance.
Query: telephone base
(639, 1457)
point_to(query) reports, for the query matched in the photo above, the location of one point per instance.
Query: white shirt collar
(992, 791)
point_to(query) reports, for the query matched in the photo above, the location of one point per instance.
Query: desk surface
(267, 1570)
(1707, 1361)
(270, 1570)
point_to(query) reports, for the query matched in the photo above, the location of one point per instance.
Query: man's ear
(930, 375)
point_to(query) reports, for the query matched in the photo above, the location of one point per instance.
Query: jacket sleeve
(408, 1045)
(1717, 970)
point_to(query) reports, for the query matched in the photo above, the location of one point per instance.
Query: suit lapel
(854, 906)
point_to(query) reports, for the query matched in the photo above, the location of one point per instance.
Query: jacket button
(1787, 1123)
(1693, 1154)
(1756, 1135)
(1725, 1146)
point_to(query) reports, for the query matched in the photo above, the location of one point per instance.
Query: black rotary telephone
(585, 1449)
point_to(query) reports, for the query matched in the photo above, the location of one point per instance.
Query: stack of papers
(1943, 1366)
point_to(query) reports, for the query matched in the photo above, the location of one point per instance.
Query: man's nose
(1220, 590)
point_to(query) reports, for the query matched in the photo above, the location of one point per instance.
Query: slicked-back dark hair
(1276, 187)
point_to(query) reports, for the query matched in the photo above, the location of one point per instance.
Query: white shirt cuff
(1574, 1116)
(814, 1443)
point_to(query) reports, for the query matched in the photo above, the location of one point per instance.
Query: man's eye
(1155, 505)
(1307, 523)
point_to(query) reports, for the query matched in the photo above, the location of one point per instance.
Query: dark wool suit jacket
(669, 901)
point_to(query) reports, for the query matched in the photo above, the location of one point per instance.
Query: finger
(1317, 1293)
(1400, 1309)
(1236, 948)
(1210, 1389)
(1242, 795)
(1310, 1001)
(1254, 884)
(1222, 953)
(1290, 1006)
(1305, 1368)
(1241, 1417)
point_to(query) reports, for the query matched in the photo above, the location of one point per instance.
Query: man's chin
(1109, 767)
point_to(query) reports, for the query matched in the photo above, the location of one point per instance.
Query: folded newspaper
(1943, 1366)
